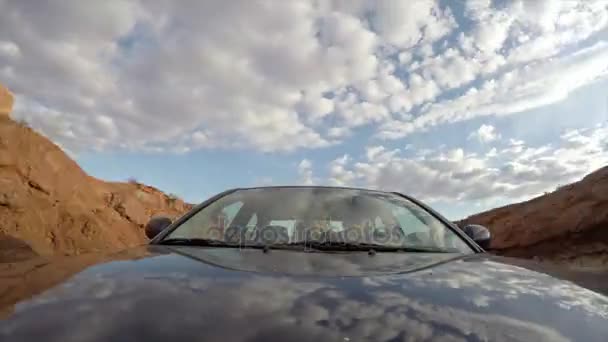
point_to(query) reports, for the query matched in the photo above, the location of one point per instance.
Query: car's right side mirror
(480, 234)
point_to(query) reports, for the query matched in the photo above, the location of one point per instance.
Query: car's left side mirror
(156, 225)
(478, 233)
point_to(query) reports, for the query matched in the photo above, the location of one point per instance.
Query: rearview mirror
(480, 234)
(157, 225)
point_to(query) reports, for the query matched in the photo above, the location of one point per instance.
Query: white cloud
(511, 171)
(485, 134)
(315, 106)
(491, 26)
(9, 49)
(305, 172)
(512, 92)
(169, 76)
(339, 175)
(407, 23)
(338, 132)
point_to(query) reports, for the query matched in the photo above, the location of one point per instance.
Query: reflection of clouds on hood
(255, 308)
(480, 300)
(498, 281)
(486, 327)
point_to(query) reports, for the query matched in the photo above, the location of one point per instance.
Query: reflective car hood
(190, 294)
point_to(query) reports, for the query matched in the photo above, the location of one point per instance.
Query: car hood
(159, 293)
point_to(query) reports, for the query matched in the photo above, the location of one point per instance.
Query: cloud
(174, 77)
(511, 170)
(485, 134)
(305, 172)
(338, 174)
(9, 49)
(407, 23)
(514, 91)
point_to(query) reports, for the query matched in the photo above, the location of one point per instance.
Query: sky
(466, 105)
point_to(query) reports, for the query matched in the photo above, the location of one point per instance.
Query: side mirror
(480, 234)
(156, 225)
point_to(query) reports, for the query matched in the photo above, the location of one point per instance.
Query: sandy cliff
(47, 202)
(567, 225)
(6, 101)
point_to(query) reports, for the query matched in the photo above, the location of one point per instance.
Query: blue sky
(464, 104)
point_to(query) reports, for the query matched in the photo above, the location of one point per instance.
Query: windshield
(279, 216)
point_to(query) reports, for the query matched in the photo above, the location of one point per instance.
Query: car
(305, 263)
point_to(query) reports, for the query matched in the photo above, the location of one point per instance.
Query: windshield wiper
(308, 245)
(206, 243)
(346, 246)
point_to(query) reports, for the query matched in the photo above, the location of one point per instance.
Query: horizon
(466, 106)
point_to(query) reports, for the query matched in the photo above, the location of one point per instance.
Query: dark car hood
(210, 294)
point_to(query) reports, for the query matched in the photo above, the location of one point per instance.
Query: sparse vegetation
(23, 123)
(132, 180)
(172, 198)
